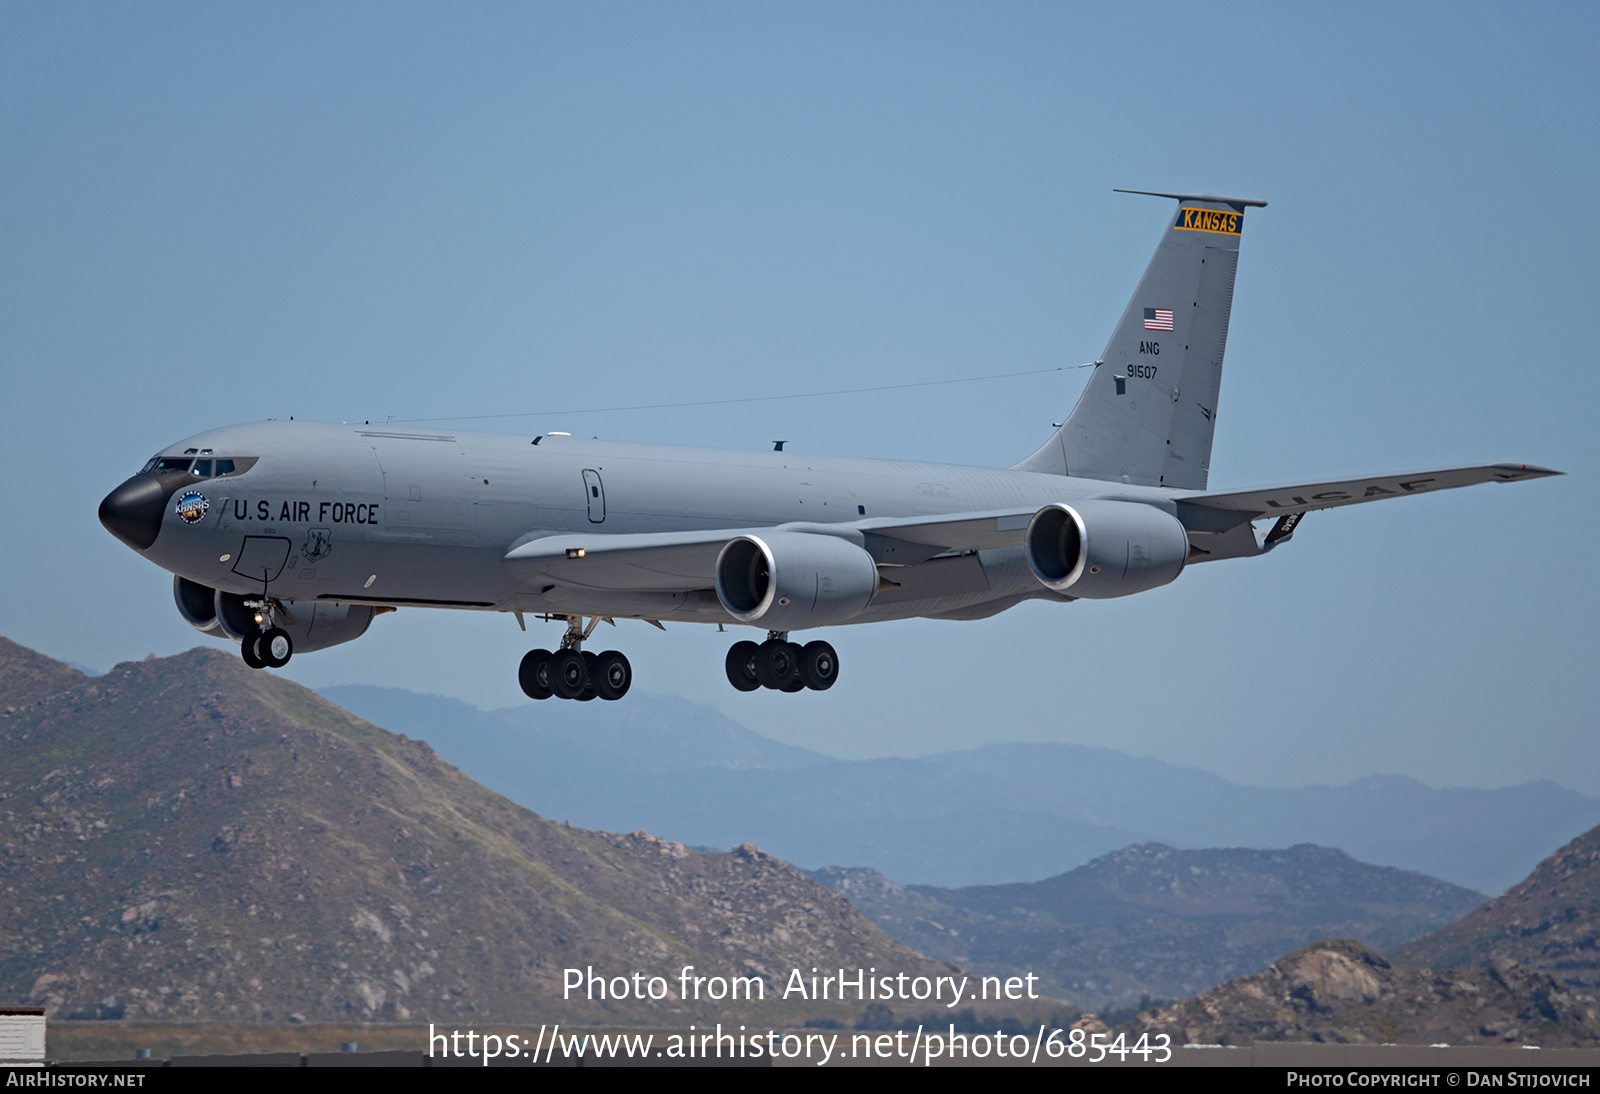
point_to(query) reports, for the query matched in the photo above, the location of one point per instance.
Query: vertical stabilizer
(1148, 411)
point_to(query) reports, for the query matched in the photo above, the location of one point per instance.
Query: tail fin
(1150, 406)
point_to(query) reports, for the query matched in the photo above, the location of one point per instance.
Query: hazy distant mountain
(658, 735)
(1153, 920)
(185, 839)
(1551, 921)
(1340, 992)
(1004, 813)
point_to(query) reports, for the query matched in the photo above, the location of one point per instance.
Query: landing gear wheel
(798, 685)
(275, 648)
(819, 665)
(592, 671)
(741, 666)
(568, 674)
(534, 674)
(247, 649)
(777, 664)
(612, 675)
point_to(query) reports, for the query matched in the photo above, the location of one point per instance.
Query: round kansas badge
(192, 505)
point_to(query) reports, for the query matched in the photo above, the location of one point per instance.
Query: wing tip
(1514, 472)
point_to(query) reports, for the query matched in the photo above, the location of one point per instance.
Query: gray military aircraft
(291, 536)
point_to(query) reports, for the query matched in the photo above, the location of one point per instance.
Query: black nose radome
(132, 512)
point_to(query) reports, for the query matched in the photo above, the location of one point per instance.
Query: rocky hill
(183, 838)
(1550, 921)
(1152, 920)
(1341, 992)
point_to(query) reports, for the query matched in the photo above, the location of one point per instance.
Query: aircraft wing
(1229, 507)
(684, 561)
(638, 562)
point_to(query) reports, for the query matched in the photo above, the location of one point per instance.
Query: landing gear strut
(267, 645)
(782, 665)
(572, 672)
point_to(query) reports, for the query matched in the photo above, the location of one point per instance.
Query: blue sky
(218, 213)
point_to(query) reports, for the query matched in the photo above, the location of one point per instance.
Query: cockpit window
(205, 468)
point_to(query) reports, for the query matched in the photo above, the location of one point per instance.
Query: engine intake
(793, 580)
(1101, 549)
(197, 604)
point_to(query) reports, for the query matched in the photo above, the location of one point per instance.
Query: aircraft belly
(415, 571)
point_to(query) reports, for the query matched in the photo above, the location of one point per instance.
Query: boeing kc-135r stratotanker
(291, 536)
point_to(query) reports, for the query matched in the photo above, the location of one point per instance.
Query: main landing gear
(266, 645)
(782, 665)
(572, 672)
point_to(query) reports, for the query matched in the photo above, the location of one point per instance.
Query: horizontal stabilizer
(1239, 203)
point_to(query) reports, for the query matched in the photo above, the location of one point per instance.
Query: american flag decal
(1158, 319)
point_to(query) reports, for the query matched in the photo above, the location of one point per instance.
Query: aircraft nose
(132, 512)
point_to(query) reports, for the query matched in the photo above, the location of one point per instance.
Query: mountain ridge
(1156, 921)
(184, 838)
(1550, 921)
(990, 815)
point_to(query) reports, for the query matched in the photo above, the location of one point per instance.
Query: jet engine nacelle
(197, 604)
(1102, 549)
(793, 580)
(316, 626)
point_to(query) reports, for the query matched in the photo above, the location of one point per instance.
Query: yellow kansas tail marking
(1209, 220)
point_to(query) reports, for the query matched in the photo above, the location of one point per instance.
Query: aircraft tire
(534, 674)
(777, 664)
(568, 674)
(819, 666)
(247, 649)
(591, 665)
(741, 666)
(612, 675)
(275, 639)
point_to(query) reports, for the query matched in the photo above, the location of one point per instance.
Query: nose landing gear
(782, 665)
(572, 672)
(267, 645)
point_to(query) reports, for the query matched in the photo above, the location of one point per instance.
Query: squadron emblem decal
(319, 541)
(192, 506)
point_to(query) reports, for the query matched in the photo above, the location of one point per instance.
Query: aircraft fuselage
(383, 515)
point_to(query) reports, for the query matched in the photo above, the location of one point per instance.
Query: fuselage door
(595, 491)
(261, 558)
